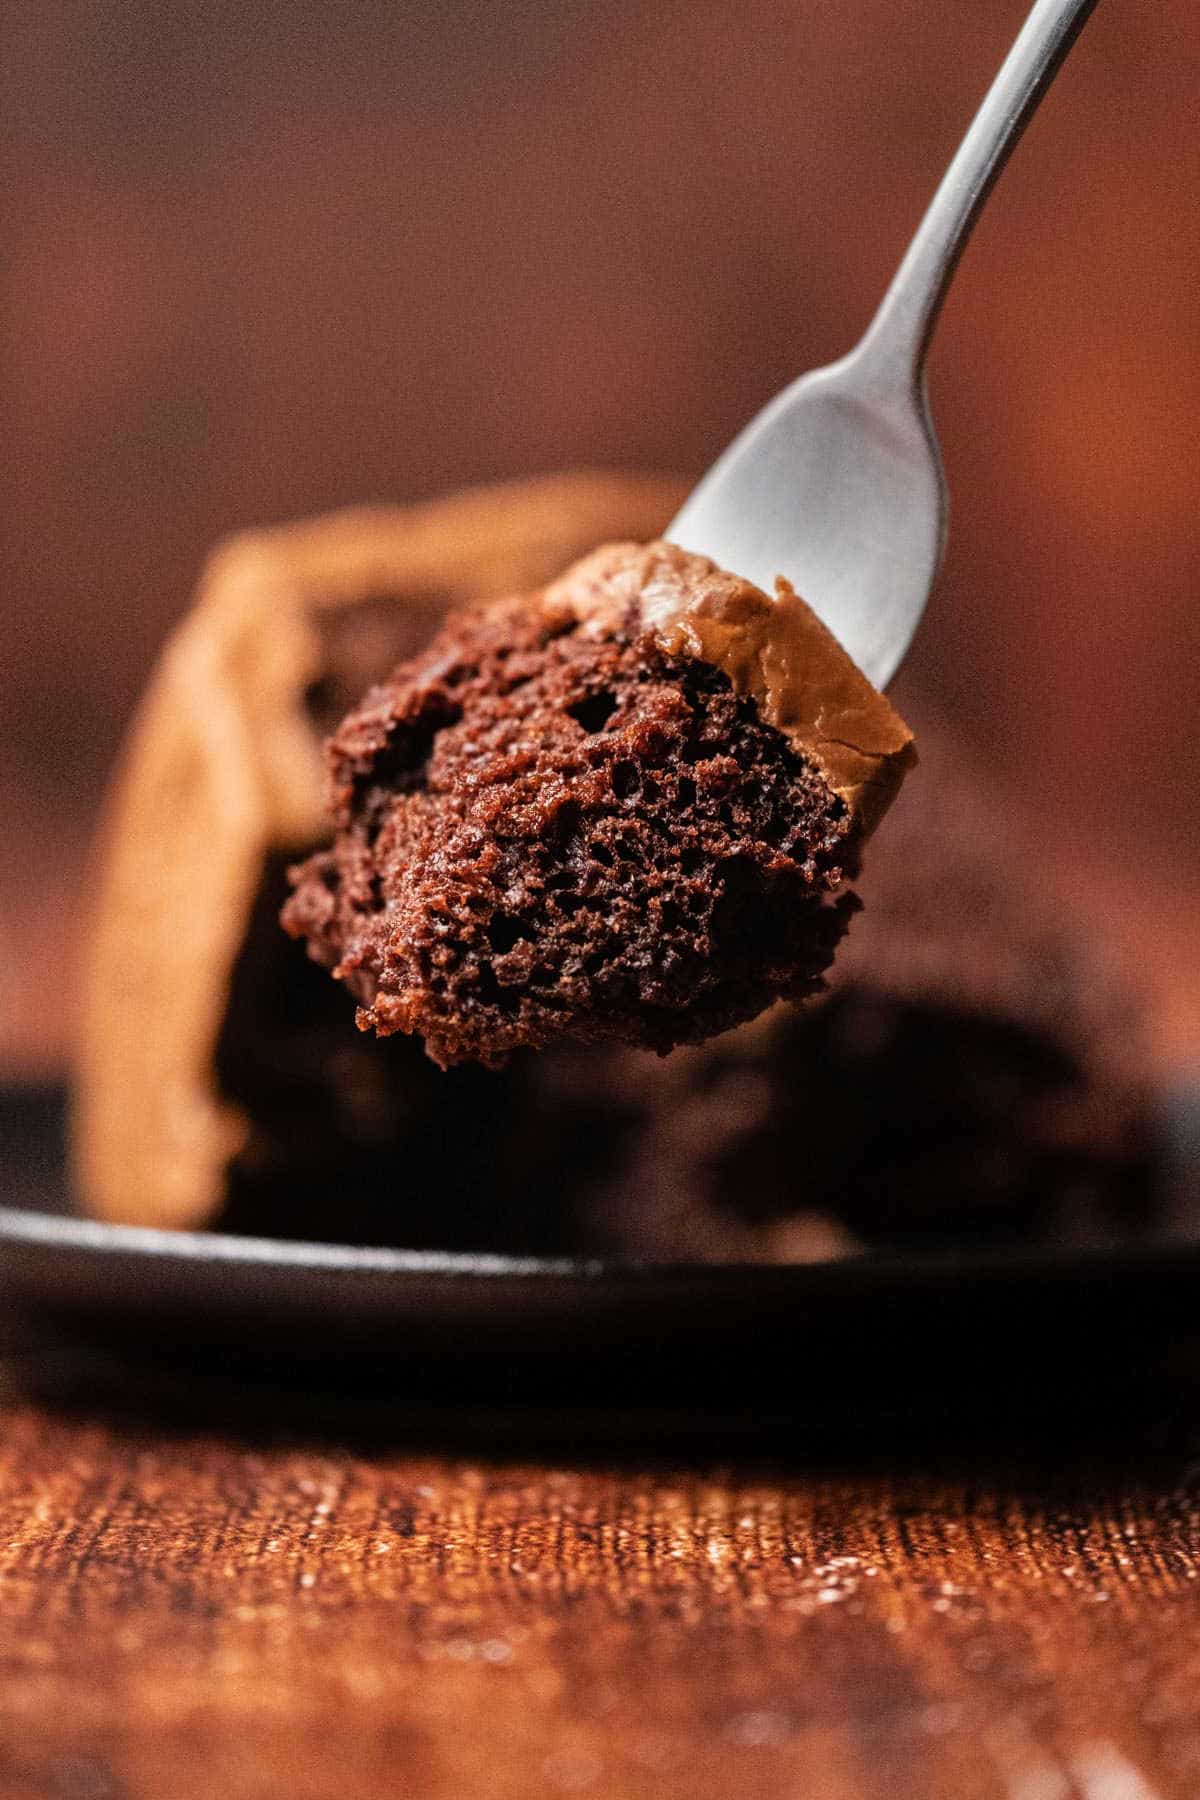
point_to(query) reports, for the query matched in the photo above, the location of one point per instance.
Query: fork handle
(899, 334)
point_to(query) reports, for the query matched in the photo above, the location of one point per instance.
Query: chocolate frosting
(774, 651)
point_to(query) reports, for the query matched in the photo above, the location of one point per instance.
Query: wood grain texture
(193, 1612)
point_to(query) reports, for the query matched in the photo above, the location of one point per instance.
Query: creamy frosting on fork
(775, 651)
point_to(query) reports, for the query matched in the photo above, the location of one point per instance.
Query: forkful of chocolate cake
(631, 804)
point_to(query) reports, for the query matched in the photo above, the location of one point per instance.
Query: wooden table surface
(196, 1601)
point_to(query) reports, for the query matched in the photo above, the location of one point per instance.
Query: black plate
(565, 1328)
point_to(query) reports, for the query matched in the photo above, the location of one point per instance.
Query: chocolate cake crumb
(545, 830)
(898, 1123)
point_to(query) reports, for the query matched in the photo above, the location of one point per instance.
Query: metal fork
(838, 482)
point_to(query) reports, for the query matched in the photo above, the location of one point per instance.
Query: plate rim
(37, 1230)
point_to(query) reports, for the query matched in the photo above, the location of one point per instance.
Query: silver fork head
(838, 486)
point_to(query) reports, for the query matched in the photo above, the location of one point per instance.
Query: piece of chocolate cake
(216, 1063)
(977, 1073)
(622, 808)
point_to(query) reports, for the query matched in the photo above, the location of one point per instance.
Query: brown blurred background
(264, 259)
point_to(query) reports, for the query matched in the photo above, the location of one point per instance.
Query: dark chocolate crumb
(542, 832)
